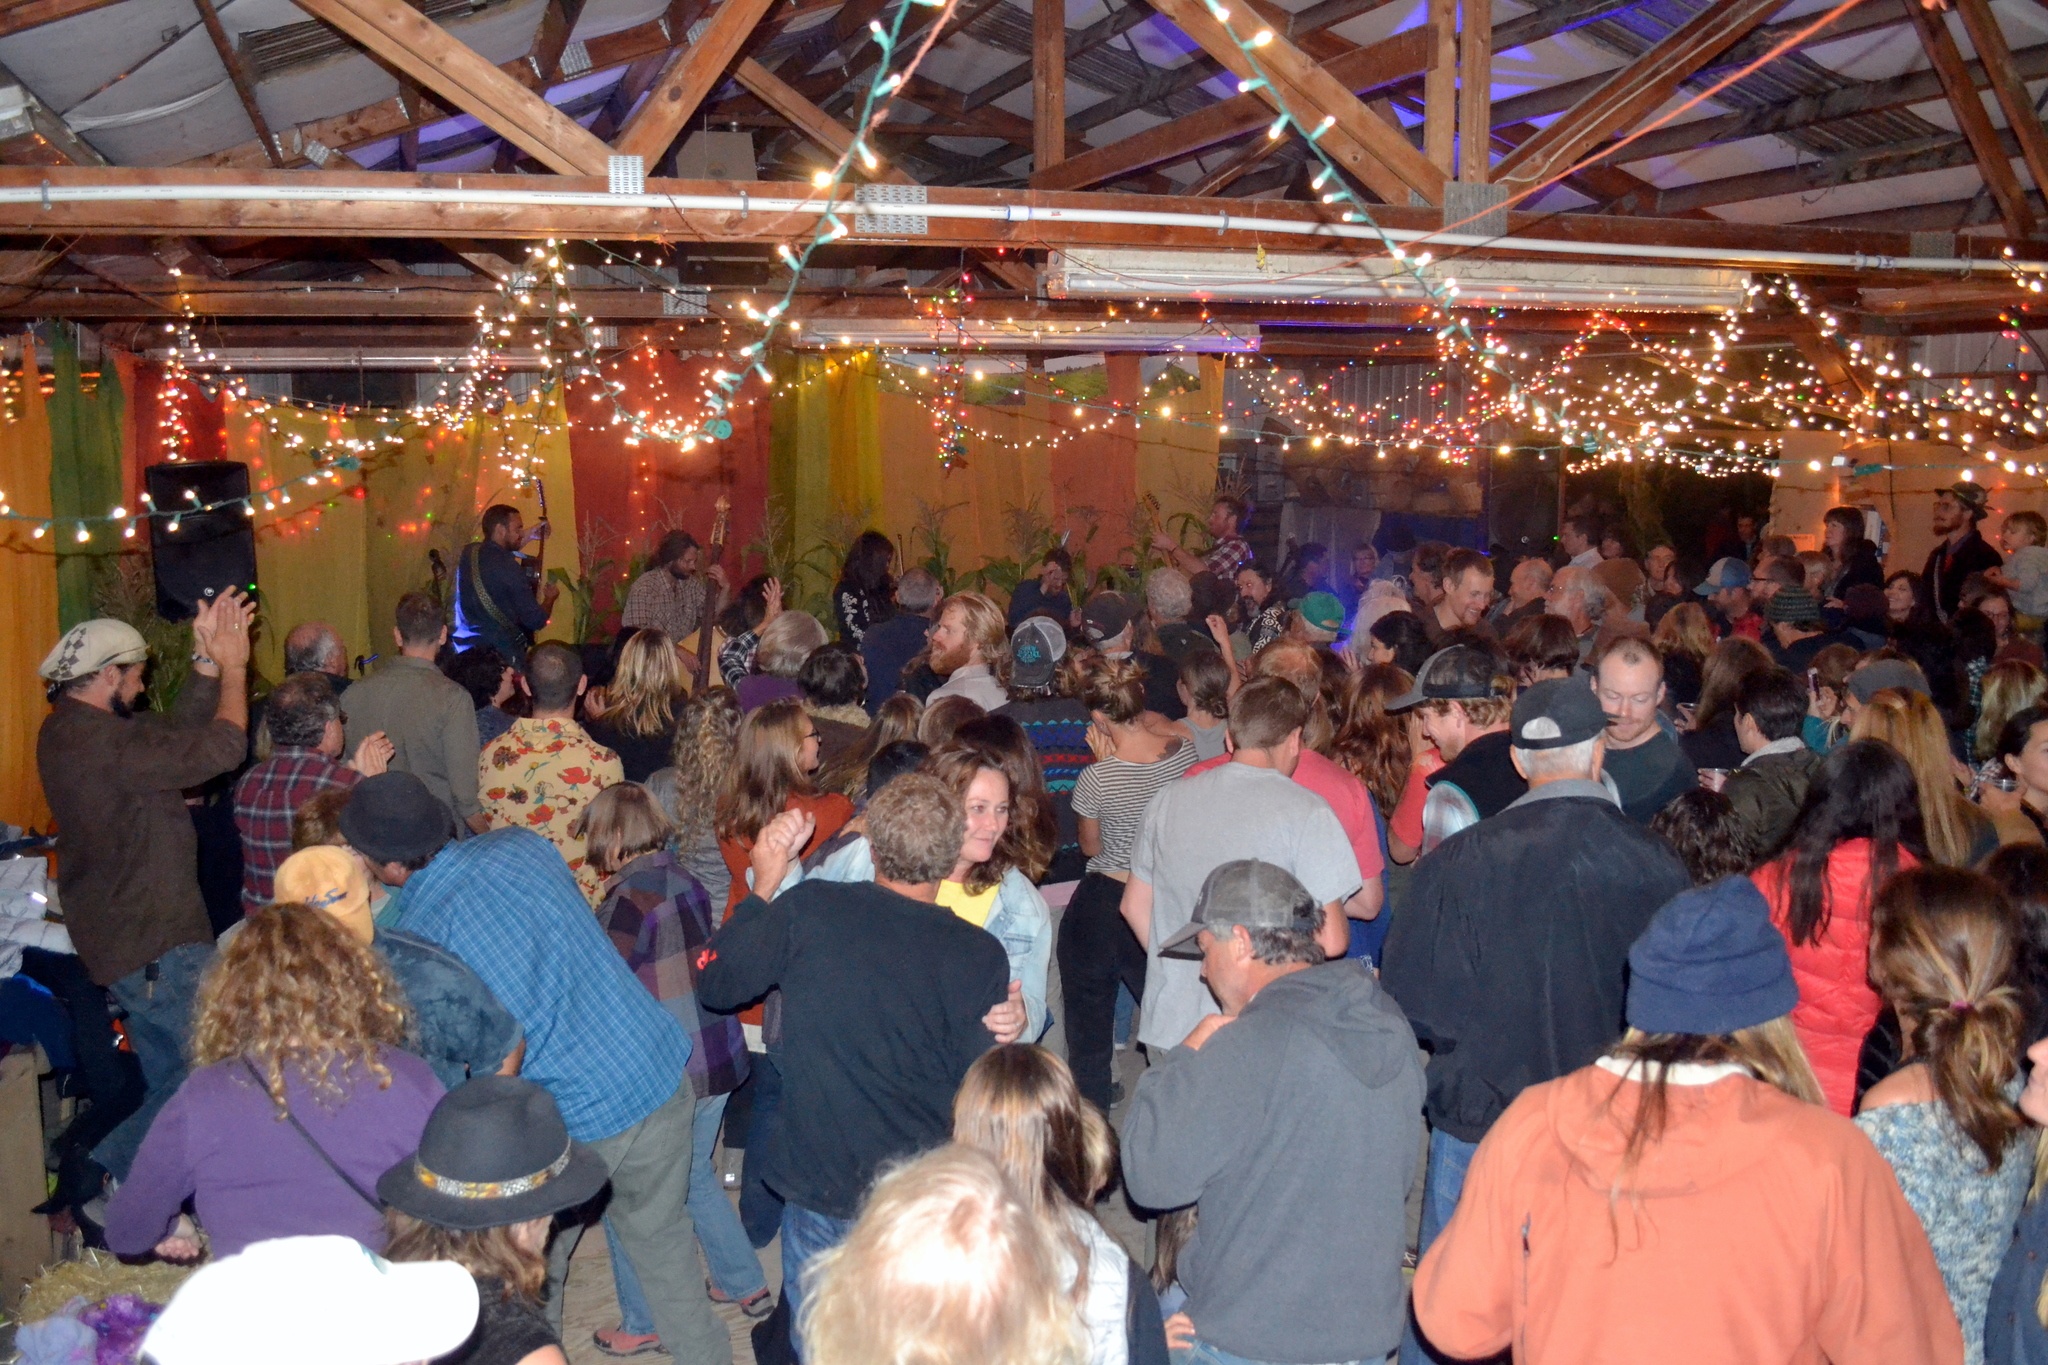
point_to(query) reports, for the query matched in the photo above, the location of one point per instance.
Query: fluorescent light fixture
(348, 358)
(1027, 334)
(1306, 278)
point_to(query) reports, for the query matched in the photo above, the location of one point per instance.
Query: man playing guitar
(495, 604)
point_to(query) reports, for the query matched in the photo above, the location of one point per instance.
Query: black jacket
(1484, 771)
(882, 999)
(1946, 570)
(1510, 954)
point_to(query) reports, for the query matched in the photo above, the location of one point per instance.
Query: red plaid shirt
(266, 798)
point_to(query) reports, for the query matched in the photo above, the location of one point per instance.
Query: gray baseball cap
(1256, 894)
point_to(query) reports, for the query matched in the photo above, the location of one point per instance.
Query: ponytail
(1943, 953)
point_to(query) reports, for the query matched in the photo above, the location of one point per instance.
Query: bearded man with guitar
(499, 598)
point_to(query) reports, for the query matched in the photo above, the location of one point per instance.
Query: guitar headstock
(721, 519)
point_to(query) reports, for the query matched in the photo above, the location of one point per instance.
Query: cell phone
(1812, 682)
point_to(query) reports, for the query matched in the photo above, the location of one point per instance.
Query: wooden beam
(1440, 88)
(1048, 85)
(1234, 166)
(1626, 97)
(28, 14)
(129, 201)
(1475, 90)
(238, 74)
(32, 134)
(1859, 166)
(688, 78)
(807, 118)
(1995, 56)
(418, 47)
(1363, 69)
(1866, 97)
(551, 38)
(1993, 160)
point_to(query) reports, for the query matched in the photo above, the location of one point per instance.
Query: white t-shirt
(1106, 1308)
(1195, 825)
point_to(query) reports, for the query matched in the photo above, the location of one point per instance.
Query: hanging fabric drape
(85, 477)
(28, 585)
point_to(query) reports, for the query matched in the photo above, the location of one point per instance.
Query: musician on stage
(494, 603)
(671, 596)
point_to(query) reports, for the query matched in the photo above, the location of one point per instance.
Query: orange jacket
(1837, 1004)
(1762, 1230)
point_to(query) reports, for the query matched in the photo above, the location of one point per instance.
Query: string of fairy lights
(1608, 395)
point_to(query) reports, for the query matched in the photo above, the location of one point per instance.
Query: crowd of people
(1575, 959)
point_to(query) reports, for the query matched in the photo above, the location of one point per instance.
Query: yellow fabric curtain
(28, 585)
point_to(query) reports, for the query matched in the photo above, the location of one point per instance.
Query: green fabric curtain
(85, 476)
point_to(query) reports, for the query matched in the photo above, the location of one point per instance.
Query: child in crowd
(2025, 573)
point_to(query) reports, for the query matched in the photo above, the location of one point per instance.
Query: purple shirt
(251, 1176)
(758, 689)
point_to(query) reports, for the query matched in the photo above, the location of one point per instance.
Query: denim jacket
(1019, 920)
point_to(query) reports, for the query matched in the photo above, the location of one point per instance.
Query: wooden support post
(1440, 88)
(1048, 84)
(1475, 90)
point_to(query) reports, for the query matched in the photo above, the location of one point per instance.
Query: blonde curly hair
(292, 985)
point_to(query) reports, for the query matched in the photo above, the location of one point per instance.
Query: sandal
(755, 1306)
(616, 1341)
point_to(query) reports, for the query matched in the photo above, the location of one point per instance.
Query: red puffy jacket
(1837, 1004)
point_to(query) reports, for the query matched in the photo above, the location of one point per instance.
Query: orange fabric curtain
(28, 585)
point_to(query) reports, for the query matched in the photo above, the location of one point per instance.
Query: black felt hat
(495, 1151)
(393, 818)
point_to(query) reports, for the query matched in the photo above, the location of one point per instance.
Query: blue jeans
(735, 1269)
(1209, 1353)
(158, 1001)
(805, 1236)
(1449, 1159)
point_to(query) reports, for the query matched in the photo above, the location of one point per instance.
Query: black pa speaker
(199, 554)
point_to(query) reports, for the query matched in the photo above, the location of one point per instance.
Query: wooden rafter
(414, 44)
(27, 14)
(1994, 162)
(1626, 97)
(1995, 57)
(238, 75)
(806, 117)
(557, 22)
(1363, 69)
(688, 78)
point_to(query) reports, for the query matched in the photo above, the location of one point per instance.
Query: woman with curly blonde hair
(707, 733)
(300, 1098)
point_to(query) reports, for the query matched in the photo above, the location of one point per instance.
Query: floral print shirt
(540, 775)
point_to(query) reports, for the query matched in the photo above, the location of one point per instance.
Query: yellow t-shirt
(974, 907)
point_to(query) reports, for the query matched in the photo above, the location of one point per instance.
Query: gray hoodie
(1295, 1130)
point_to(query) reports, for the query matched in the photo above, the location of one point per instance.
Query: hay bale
(96, 1277)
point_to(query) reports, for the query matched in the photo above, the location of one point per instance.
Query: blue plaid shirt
(506, 904)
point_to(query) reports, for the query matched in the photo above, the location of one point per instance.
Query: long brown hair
(1684, 630)
(766, 769)
(1721, 676)
(847, 771)
(293, 986)
(1943, 953)
(1034, 821)
(1019, 1104)
(1372, 743)
(486, 1253)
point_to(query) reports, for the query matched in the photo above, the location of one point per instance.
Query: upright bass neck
(720, 524)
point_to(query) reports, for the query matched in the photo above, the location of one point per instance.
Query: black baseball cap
(1459, 673)
(1256, 894)
(1556, 714)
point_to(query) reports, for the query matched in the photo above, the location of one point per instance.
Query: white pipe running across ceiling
(36, 196)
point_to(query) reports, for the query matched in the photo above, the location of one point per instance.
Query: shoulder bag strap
(372, 1200)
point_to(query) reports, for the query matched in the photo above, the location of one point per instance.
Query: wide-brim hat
(393, 818)
(495, 1152)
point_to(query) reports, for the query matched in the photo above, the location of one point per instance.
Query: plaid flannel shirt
(508, 906)
(659, 916)
(266, 799)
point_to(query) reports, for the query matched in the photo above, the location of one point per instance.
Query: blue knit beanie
(1710, 963)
